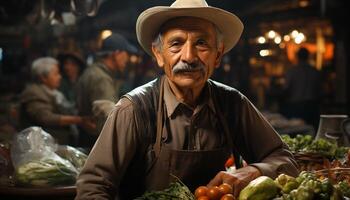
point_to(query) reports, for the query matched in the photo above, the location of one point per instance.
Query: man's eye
(175, 43)
(201, 42)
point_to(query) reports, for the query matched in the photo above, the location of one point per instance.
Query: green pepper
(302, 193)
(314, 185)
(289, 186)
(304, 175)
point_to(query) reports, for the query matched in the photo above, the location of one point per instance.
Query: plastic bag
(35, 161)
(73, 155)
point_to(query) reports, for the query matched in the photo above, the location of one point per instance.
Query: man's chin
(189, 81)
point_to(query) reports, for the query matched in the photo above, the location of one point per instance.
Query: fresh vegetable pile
(306, 143)
(307, 186)
(39, 161)
(48, 172)
(176, 191)
(221, 192)
(73, 155)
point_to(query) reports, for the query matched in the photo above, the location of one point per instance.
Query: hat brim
(150, 21)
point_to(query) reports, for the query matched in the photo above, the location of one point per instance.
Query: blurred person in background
(98, 87)
(302, 90)
(41, 104)
(71, 68)
(183, 124)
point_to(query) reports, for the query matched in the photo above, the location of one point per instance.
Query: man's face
(121, 60)
(189, 52)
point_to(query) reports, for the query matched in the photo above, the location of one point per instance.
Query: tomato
(203, 198)
(214, 193)
(230, 162)
(226, 188)
(228, 197)
(201, 191)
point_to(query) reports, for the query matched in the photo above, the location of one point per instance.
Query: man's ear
(219, 55)
(158, 55)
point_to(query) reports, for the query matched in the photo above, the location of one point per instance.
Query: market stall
(34, 166)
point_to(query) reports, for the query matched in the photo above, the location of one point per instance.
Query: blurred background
(274, 31)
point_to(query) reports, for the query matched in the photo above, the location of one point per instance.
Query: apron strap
(218, 105)
(157, 145)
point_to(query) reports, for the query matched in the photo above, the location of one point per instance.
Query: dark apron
(192, 167)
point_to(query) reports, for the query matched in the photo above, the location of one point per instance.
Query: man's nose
(189, 53)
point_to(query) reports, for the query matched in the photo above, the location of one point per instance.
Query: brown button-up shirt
(191, 128)
(186, 128)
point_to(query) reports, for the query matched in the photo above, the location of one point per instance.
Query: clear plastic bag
(35, 161)
(73, 155)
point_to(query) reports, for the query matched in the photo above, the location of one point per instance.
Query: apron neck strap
(157, 145)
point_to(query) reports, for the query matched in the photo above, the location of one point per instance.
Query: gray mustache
(185, 67)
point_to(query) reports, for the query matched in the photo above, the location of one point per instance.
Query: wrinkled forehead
(192, 24)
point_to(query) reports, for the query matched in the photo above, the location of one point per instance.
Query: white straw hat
(150, 21)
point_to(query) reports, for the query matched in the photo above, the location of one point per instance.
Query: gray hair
(42, 67)
(158, 40)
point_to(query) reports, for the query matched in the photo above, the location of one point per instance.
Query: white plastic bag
(35, 161)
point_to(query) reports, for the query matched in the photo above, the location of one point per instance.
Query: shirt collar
(172, 103)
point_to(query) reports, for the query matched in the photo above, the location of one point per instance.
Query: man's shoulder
(223, 89)
(147, 90)
(92, 73)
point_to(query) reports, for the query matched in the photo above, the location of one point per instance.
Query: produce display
(73, 155)
(38, 161)
(318, 154)
(48, 172)
(176, 191)
(221, 192)
(307, 144)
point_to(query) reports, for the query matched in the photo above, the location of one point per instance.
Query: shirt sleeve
(109, 158)
(261, 146)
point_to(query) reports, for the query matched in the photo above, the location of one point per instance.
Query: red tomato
(201, 191)
(203, 198)
(228, 197)
(214, 193)
(230, 162)
(226, 188)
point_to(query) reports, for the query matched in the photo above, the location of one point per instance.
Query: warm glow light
(286, 38)
(133, 59)
(105, 34)
(294, 34)
(299, 38)
(303, 3)
(264, 52)
(277, 39)
(271, 34)
(261, 40)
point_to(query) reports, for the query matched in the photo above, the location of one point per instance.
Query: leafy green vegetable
(175, 191)
(46, 172)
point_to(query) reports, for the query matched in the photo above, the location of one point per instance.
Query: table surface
(38, 191)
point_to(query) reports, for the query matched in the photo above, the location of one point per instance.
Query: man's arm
(261, 146)
(109, 158)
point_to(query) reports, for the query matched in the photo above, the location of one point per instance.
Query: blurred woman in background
(41, 104)
(71, 67)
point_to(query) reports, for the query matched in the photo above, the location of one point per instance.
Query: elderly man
(98, 88)
(183, 124)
